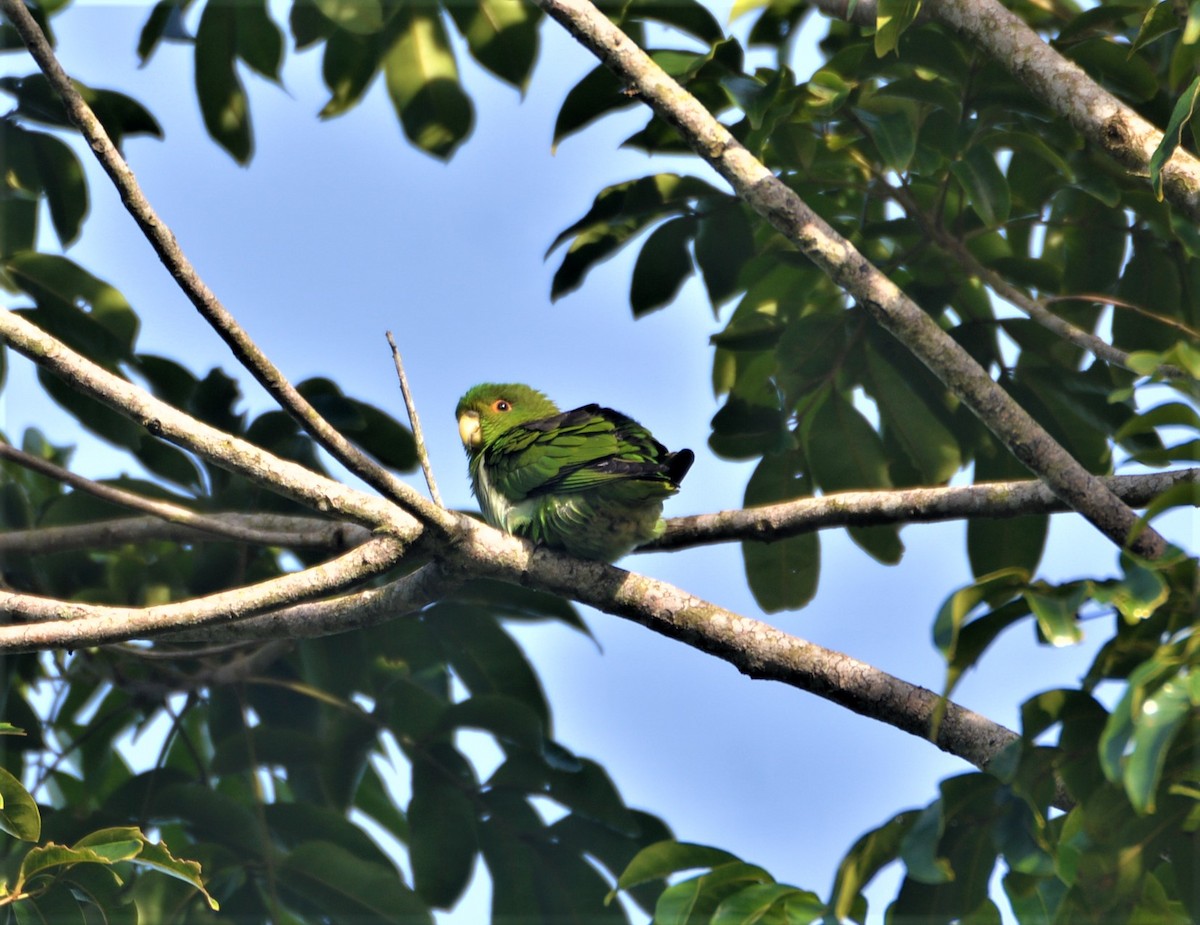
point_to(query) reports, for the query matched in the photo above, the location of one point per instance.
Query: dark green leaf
(164, 22)
(259, 41)
(724, 244)
(341, 887)
(349, 65)
(872, 852)
(660, 860)
(994, 544)
(422, 81)
(1185, 107)
(359, 16)
(223, 100)
(441, 819)
(892, 18)
(663, 265)
(843, 449)
(892, 126)
(64, 185)
(501, 35)
(19, 815)
(984, 184)
(927, 441)
(782, 574)
(597, 93)
(685, 15)
(1114, 67)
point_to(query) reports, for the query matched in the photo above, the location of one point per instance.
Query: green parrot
(590, 482)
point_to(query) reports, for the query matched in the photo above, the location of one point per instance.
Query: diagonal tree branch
(280, 475)
(779, 205)
(175, 514)
(755, 648)
(1059, 83)
(197, 291)
(69, 625)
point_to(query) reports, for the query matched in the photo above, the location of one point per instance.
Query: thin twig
(776, 202)
(171, 254)
(164, 510)
(287, 530)
(415, 420)
(1015, 296)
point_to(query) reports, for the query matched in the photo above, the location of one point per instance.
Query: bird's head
(490, 409)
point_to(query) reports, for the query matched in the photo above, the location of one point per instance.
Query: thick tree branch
(755, 648)
(171, 254)
(1059, 83)
(70, 625)
(160, 419)
(912, 505)
(779, 205)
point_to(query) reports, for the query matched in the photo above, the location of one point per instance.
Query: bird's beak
(468, 429)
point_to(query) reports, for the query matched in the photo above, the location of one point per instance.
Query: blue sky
(339, 231)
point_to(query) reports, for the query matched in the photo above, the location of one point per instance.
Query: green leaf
(120, 115)
(892, 18)
(597, 93)
(507, 718)
(164, 21)
(259, 41)
(361, 17)
(1112, 65)
(344, 888)
(724, 244)
(348, 67)
(660, 860)
(1058, 615)
(64, 185)
(441, 820)
(782, 574)
(892, 127)
(663, 265)
(422, 81)
(47, 857)
(687, 16)
(927, 442)
(155, 856)
(1185, 108)
(501, 35)
(755, 903)
(994, 589)
(843, 449)
(81, 309)
(1158, 21)
(870, 854)
(19, 815)
(985, 186)
(223, 101)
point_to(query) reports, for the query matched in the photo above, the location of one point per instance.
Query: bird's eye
(501, 405)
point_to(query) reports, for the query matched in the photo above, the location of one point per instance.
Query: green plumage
(589, 481)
